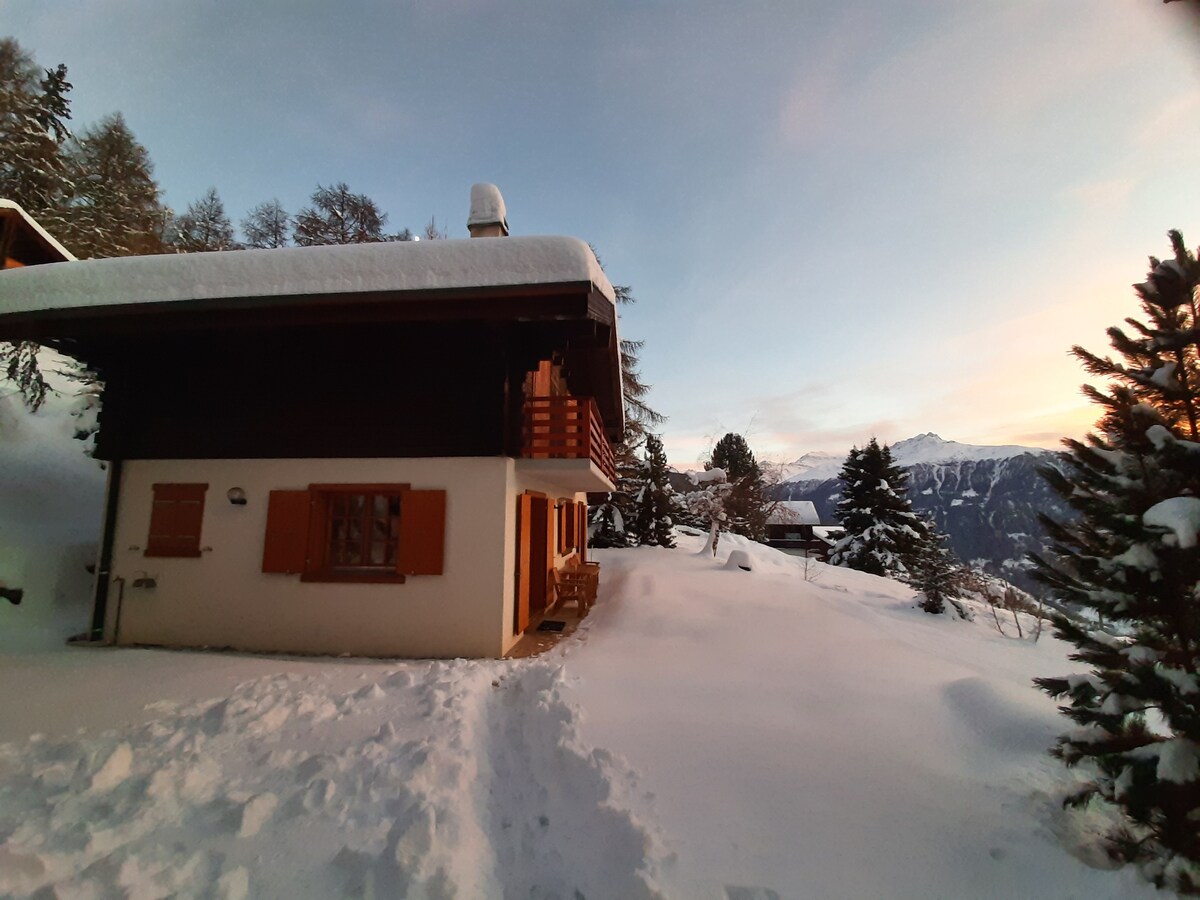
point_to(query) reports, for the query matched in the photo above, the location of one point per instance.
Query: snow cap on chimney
(488, 217)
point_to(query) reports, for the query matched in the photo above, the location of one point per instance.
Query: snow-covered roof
(42, 233)
(794, 512)
(828, 532)
(299, 271)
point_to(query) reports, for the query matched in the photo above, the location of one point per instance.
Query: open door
(535, 556)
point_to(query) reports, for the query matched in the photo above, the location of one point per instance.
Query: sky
(840, 219)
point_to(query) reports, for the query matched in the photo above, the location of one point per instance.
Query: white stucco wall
(223, 599)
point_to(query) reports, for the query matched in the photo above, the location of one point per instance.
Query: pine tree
(618, 507)
(883, 534)
(267, 226)
(607, 526)
(338, 216)
(1131, 557)
(114, 208)
(653, 522)
(746, 505)
(203, 227)
(933, 570)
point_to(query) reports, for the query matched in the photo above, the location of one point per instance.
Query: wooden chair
(571, 585)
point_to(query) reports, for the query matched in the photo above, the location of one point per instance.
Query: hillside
(985, 498)
(706, 733)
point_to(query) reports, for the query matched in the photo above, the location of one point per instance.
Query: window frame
(318, 567)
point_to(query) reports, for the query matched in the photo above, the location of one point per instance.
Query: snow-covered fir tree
(267, 226)
(203, 227)
(883, 534)
(707, 504)
(652, 523)
(1132, 557)
(606, 523)
(933, 570)
(339, 216)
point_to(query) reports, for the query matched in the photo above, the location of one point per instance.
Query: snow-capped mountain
(926, 448)
(985, 498)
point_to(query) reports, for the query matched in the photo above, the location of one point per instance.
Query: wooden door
(535, 556)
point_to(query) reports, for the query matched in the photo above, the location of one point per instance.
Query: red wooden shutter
(422, 533)
(524, 562)
(285, 547)
(175, 520)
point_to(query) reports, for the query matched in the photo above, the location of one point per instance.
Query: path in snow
(439, 780)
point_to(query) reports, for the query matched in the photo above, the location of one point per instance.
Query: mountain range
(986, 499)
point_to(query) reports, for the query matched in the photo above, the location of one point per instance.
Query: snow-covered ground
(51, 505)
(707, 733)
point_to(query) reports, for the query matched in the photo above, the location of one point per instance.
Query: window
(175, 519)
(363, 530)
(355, 532)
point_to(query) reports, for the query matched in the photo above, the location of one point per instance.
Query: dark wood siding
(392, 391)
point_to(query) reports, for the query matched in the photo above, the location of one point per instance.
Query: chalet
(376, 449)
(794, 525)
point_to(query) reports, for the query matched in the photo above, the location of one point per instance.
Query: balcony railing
(567, 428)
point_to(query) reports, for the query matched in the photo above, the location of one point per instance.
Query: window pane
(362, 530)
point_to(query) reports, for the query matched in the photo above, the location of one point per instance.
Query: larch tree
(267, 226)
(203, 227)
(34, 111)
(431, 231)
(617, 509)
(336, 215)
(114, 208)
(1131, 556)
(883, 534)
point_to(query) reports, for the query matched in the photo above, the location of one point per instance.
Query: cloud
(955, 76)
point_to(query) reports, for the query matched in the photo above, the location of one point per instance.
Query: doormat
(551, 625)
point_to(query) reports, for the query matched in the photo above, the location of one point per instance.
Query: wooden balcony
(568, 428)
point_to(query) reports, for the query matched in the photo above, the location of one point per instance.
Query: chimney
(488, 217)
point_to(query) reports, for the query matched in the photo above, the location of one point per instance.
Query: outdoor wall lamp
(236, 496)
(142, 580)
